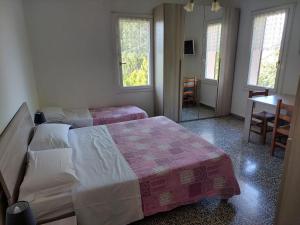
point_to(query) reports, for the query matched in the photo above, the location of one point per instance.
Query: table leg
(247, 119)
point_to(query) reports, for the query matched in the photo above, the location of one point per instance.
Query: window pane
(265, 51)
(135, 51)
(212, 62)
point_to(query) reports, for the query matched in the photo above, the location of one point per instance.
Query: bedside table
(66, 221)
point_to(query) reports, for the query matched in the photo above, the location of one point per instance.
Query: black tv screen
(189, 47)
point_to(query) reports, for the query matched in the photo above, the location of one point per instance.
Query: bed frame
(13, 150)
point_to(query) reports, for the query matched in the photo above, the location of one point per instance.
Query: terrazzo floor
(196, 112)
(257, 172)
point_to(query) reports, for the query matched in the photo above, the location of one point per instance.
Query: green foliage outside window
(268, 69)
(135, 51)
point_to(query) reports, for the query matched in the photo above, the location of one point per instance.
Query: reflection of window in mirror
(213, 40)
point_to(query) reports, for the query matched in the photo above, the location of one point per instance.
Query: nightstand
(66, 221)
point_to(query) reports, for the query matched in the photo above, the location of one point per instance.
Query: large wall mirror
(203, 71)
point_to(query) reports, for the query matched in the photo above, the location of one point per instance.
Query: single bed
(94, 116)
(130, 170)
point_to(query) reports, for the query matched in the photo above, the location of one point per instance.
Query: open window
(135, 51)
(213, 43)
(266, 49)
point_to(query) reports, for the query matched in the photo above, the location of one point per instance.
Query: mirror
(201, 63)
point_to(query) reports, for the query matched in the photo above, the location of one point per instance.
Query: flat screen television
(189, 47)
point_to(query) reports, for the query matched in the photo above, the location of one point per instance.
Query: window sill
(209, 81)
(250, 87)
(122, 90)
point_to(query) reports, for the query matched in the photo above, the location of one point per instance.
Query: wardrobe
(168, 53)
(169, 22)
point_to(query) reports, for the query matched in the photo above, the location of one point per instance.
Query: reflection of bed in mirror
(173, 156)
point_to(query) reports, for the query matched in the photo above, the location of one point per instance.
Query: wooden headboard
(13, 148)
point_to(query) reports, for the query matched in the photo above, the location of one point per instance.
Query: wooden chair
(282, 124)
(190, 90)
(259, 121)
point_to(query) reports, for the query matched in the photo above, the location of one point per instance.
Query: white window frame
(116, 17)
(213, 21)
(289, 8)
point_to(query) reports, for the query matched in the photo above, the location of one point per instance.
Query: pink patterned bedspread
(174, 166)
(108, 115)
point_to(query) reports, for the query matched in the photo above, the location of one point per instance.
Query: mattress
(174, 166)
(108, 115)
(49, 207)
(138, 168)
(95, 116)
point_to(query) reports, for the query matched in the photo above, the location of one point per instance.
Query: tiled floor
(257, 172)
(196, 112)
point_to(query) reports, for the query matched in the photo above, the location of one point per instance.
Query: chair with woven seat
(282, 125)
(260, 120)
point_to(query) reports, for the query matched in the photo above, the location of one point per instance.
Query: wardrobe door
(173, 43)
(158, 22)
(228, 53)
(168, 53)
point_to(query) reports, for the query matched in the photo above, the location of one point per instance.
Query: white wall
(193, 65)
(16, 71)
(289, 80)
(73, 51)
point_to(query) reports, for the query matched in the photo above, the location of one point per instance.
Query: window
(135, 51)
(212, 61)
(267, 40)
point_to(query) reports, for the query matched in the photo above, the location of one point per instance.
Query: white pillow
(49, 136)
(54, 114)
(50, 171)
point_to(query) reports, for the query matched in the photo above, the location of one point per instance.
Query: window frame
(210, 22)
(116, 18)
(289, 8)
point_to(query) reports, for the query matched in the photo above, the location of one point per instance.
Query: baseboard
(237, 117)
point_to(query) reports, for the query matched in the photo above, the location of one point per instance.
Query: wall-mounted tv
(189, 47)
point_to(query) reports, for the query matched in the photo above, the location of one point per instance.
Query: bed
(93, 116)
(127, 170)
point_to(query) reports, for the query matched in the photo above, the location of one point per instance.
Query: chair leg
(249, 133)
(273, 145)
(264, 131)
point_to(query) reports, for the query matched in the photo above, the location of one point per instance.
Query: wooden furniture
(230, 29)
(265, 102)
(190, 91)
(282, 124)
(168, 21)
(288, 200)
(259, 121)
(14, 142)
(66, 221)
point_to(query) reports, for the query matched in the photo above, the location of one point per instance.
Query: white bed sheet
(109, 192)
(49, 207)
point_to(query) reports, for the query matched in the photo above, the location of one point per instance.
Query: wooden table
(264, 101)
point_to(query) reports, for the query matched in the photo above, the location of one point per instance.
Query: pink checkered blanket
(108, 115)
(174, 166)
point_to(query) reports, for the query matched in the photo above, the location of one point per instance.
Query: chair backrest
(259, 93)
(284, 113)
(190, 82)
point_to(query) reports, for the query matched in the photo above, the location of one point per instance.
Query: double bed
(126, 170)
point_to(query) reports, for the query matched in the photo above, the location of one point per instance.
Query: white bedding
(109, 191)
(78, 117)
